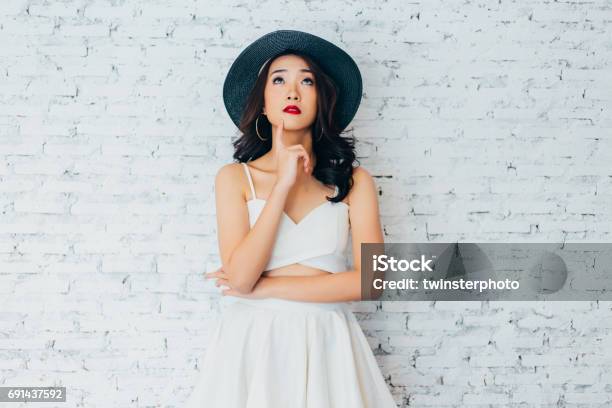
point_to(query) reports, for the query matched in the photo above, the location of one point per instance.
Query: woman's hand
(258, 291)
(222, 278)
(288, 159)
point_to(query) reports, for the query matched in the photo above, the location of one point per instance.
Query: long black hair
(335, 153)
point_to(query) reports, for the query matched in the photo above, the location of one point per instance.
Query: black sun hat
(333, 60)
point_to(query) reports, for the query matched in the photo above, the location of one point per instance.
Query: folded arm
(329, 287)
(342, 286)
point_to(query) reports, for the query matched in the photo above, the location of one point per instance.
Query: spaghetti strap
(246, 169)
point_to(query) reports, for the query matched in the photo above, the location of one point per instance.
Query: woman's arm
(336, 287)
(244, 251)
(333, 287)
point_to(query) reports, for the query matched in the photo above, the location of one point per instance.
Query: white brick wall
(482, 121)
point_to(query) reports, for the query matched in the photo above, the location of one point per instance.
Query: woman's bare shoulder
(361, 173)
(229, 177)
(228, 172)
(362, 182)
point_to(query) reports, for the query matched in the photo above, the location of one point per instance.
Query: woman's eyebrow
(284, 70)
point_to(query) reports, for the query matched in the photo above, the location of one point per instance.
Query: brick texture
(481, 121)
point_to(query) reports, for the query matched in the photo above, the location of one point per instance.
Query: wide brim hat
(332, 59)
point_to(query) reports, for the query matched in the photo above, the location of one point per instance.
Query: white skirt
(276, 353)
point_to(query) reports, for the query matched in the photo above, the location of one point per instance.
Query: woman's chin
(293, 124)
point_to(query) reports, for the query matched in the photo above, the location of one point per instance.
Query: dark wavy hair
(335, 153)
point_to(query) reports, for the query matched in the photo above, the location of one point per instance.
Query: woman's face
(287, 84)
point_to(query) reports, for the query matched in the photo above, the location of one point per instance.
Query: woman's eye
(310, 81)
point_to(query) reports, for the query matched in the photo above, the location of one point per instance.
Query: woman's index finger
(280, 143)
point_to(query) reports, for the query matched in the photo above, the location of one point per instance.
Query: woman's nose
(292, 94)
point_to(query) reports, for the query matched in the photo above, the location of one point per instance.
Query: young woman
(288, 340)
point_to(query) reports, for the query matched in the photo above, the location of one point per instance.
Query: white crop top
(318, 240)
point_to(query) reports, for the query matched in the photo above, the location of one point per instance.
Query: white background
(481, 121)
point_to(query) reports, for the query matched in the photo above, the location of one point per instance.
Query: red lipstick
(292, 109)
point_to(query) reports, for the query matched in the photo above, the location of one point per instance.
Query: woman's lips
(292, 110)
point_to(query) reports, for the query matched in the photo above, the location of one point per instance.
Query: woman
(288, 339)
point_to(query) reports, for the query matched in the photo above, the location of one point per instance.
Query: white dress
(276, 353)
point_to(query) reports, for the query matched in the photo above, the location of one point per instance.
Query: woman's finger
(231, 292)
(222, 275)
(280, 132)
(216, 270)
(303, 154)
(300, 151)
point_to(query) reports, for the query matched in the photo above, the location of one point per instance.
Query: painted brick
(479, 122)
